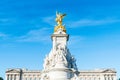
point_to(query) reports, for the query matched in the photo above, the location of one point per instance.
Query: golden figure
(58, 19)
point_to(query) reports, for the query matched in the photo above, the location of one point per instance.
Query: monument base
(60, 74)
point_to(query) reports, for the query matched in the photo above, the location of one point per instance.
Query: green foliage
(1, 78)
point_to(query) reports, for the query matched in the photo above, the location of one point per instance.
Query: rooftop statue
(59, 18)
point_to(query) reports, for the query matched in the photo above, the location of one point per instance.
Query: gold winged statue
(59, 18)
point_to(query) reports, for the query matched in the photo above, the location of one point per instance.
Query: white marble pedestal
(60, 74)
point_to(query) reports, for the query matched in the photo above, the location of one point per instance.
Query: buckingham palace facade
(97, 74)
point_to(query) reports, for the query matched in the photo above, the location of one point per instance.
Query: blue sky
(26, 27)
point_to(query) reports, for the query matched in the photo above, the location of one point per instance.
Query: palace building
(59, 64)
(24, 74)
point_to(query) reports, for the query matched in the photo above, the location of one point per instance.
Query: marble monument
(59, 64)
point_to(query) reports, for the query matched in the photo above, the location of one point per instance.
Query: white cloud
(50, 20)
(9, 22)
(82, 22)
(88, 22)
(2, 35)
(74, 40)
(4, 20)
(43, 35)
(39, 35)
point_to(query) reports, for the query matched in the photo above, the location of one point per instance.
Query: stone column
(39, 78)
(102, 77)
(17, 77)
(108, 77)
(98, 78)
(26, 78)
(12, 77)
(111, 77)
(7, 77)
(114, 77)
(105, 77)
(94, 78)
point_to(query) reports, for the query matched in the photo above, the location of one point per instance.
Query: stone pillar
(39, 78)
(17, 77)
(26, 78)
(10, 77)
(99, 78)
(111, 77)
(7, 77)
(94, 78)
(114, 77)
(102, 77)
(108, 77)
(105, 77)
(13, 77)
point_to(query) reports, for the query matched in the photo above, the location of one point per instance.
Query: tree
(1, 78)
